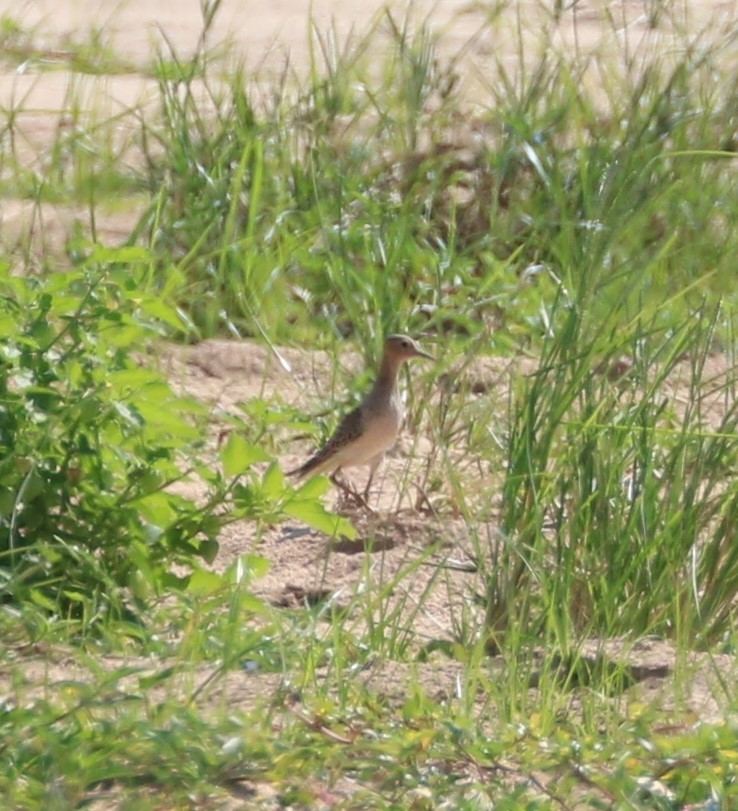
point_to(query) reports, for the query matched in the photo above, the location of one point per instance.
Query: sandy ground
(262, 28)
(266, 34)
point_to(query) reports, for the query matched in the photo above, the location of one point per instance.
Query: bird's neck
(384, 385)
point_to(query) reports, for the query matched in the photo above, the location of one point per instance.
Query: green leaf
(33, 485)
(125, 336)
(247, 567)
(272, 485)
(134, 377)
(157, 509)
(149, 680)
(205, 583)
(160, 414)
(155, 308)
(75, 596)
(208, 550)
(173, 582)
(41, 600)
(315, 515)
(252, 604)
(8, 327)
(314, 488)
(238, 456)
(88, 410)
(7, 502)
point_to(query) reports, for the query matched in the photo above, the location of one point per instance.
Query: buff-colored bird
(367, 432)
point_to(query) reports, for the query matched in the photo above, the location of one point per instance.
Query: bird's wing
(349, 429)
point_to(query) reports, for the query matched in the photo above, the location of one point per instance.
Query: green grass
(595, 500)
(91, 53)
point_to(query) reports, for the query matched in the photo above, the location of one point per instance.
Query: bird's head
(403, 347)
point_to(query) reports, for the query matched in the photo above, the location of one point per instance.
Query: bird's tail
(315, 464)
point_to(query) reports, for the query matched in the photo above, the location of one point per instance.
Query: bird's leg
(368, 486)
(341, 484)
(373, 465)
(349, 492)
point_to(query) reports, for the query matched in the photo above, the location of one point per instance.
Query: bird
(366, 433)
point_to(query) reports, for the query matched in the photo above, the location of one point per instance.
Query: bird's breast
(384, 425)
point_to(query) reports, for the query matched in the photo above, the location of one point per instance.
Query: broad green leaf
(7, 502)
(207, 550)
(188, 405)
(315, 515)
(272, 485)
(204, 583)
(33, 485)
(211, 526)
(145, 575)
(155, 308)
(161, 417)
(125, 336)
(237, 455)
(8, 326)
(88, 409)
(134, 377)
(157, 509)
(314, 488)
(172, 582)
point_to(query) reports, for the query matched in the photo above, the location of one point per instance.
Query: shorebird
(366, 433)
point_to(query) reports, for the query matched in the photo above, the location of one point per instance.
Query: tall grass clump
(370, 188)
(299, 207)
(618, 504)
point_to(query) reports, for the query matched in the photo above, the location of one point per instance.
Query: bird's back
(364, 433)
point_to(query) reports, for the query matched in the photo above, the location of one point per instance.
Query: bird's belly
(378, 437)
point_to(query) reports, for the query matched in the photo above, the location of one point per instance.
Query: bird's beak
(421, 353)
